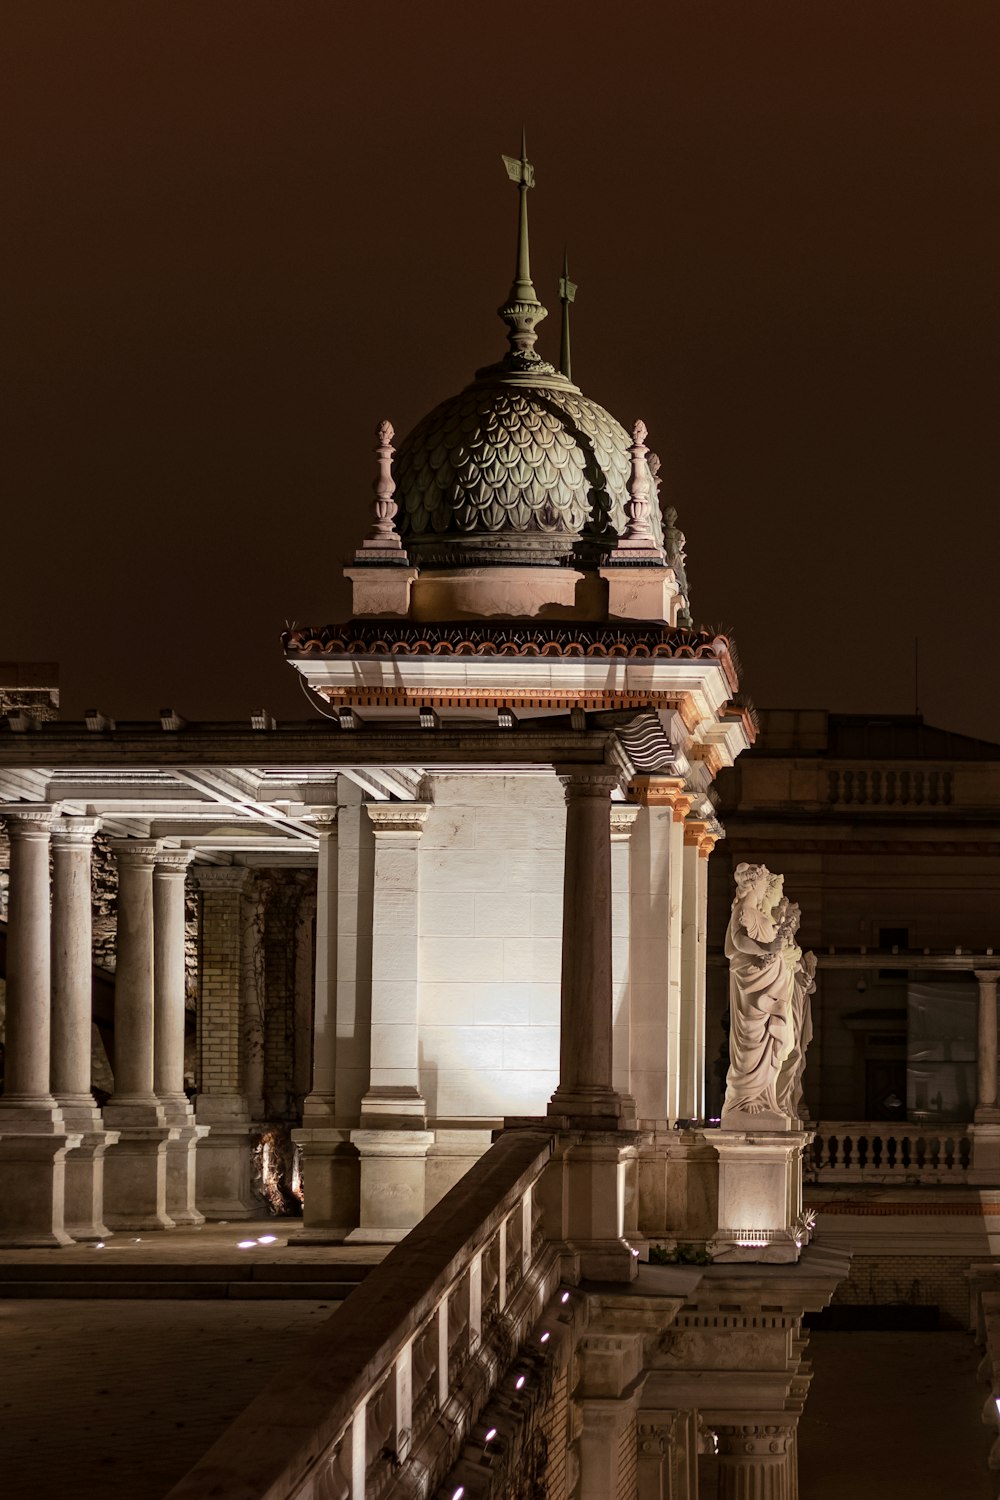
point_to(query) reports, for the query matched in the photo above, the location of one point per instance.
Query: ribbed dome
(516, 468)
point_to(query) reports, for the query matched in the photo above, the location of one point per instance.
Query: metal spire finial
(522, 309)
(567, 294)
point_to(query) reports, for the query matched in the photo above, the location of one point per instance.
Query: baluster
(932, 788)
(876, 786)
(526, 1228)
(890, 788)
(359, 1451)
(441, 1319)
(514, 1233)
(965, 1152)
(475, 1303)
(918, 788)
(905, 792)
(876, 1151)
(378, 1432)
(402, 1374)
(848, 1152)
(892, 1160)
(948, 781)
(502, 1266)
(862, 1152)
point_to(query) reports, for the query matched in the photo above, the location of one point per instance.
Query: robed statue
(763, 955)
(790, 1077)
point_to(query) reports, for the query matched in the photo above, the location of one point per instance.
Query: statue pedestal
(760, 1195)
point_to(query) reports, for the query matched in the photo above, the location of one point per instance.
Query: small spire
(522, 309)
(383, 544)
(567, 295)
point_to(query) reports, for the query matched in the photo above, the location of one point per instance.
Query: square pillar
(656, 912)
(623, 818)
(392, 1142)
(223, 1158)
(698, 844)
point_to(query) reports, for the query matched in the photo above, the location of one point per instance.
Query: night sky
(236, 235)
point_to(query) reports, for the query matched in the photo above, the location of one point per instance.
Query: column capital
(388, 818)
(74, 833)
(323, 819)
(698, 834)
(663, 791)
(136, 852)
(588, 780)
(987, 976)
(623, 816)
(171, 862)
(27, 820)
(754, 1440)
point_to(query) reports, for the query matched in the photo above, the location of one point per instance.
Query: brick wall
(219, 981)
(911, 1280)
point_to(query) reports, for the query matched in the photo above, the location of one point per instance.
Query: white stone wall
(490, 929)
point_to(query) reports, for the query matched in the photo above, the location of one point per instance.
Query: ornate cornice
(503, 638)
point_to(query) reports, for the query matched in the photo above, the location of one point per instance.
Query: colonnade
(70, 1171)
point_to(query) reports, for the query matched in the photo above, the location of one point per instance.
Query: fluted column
(986, 1073)
(33, 1134)
(28, 1026)
(585, 1042)
(755, 1461)
(169, 874)
(136, 1168)
(72, 1025)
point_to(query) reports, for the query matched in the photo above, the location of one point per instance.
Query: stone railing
(386, 1393)
(888, 1151)
(895, 786)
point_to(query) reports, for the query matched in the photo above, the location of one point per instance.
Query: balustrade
(899, 786)
(877, 1151)
(415, 1354)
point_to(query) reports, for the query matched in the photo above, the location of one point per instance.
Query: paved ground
(121, 1397)
(894, 1416)
(212, 1243)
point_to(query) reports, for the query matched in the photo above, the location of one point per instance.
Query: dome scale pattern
(506, 459)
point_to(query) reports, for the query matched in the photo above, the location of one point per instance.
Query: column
(585, 1186)
(329, 1160)
(393, 1141)
(698, 844)
(585, 1041)
(223, 1158)
(985, 1131)
(754, 1461)
(33, 1134)
(986, 1076)
(623, 817)
(135, 1171)
(169, 1014)
(72, 1025)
